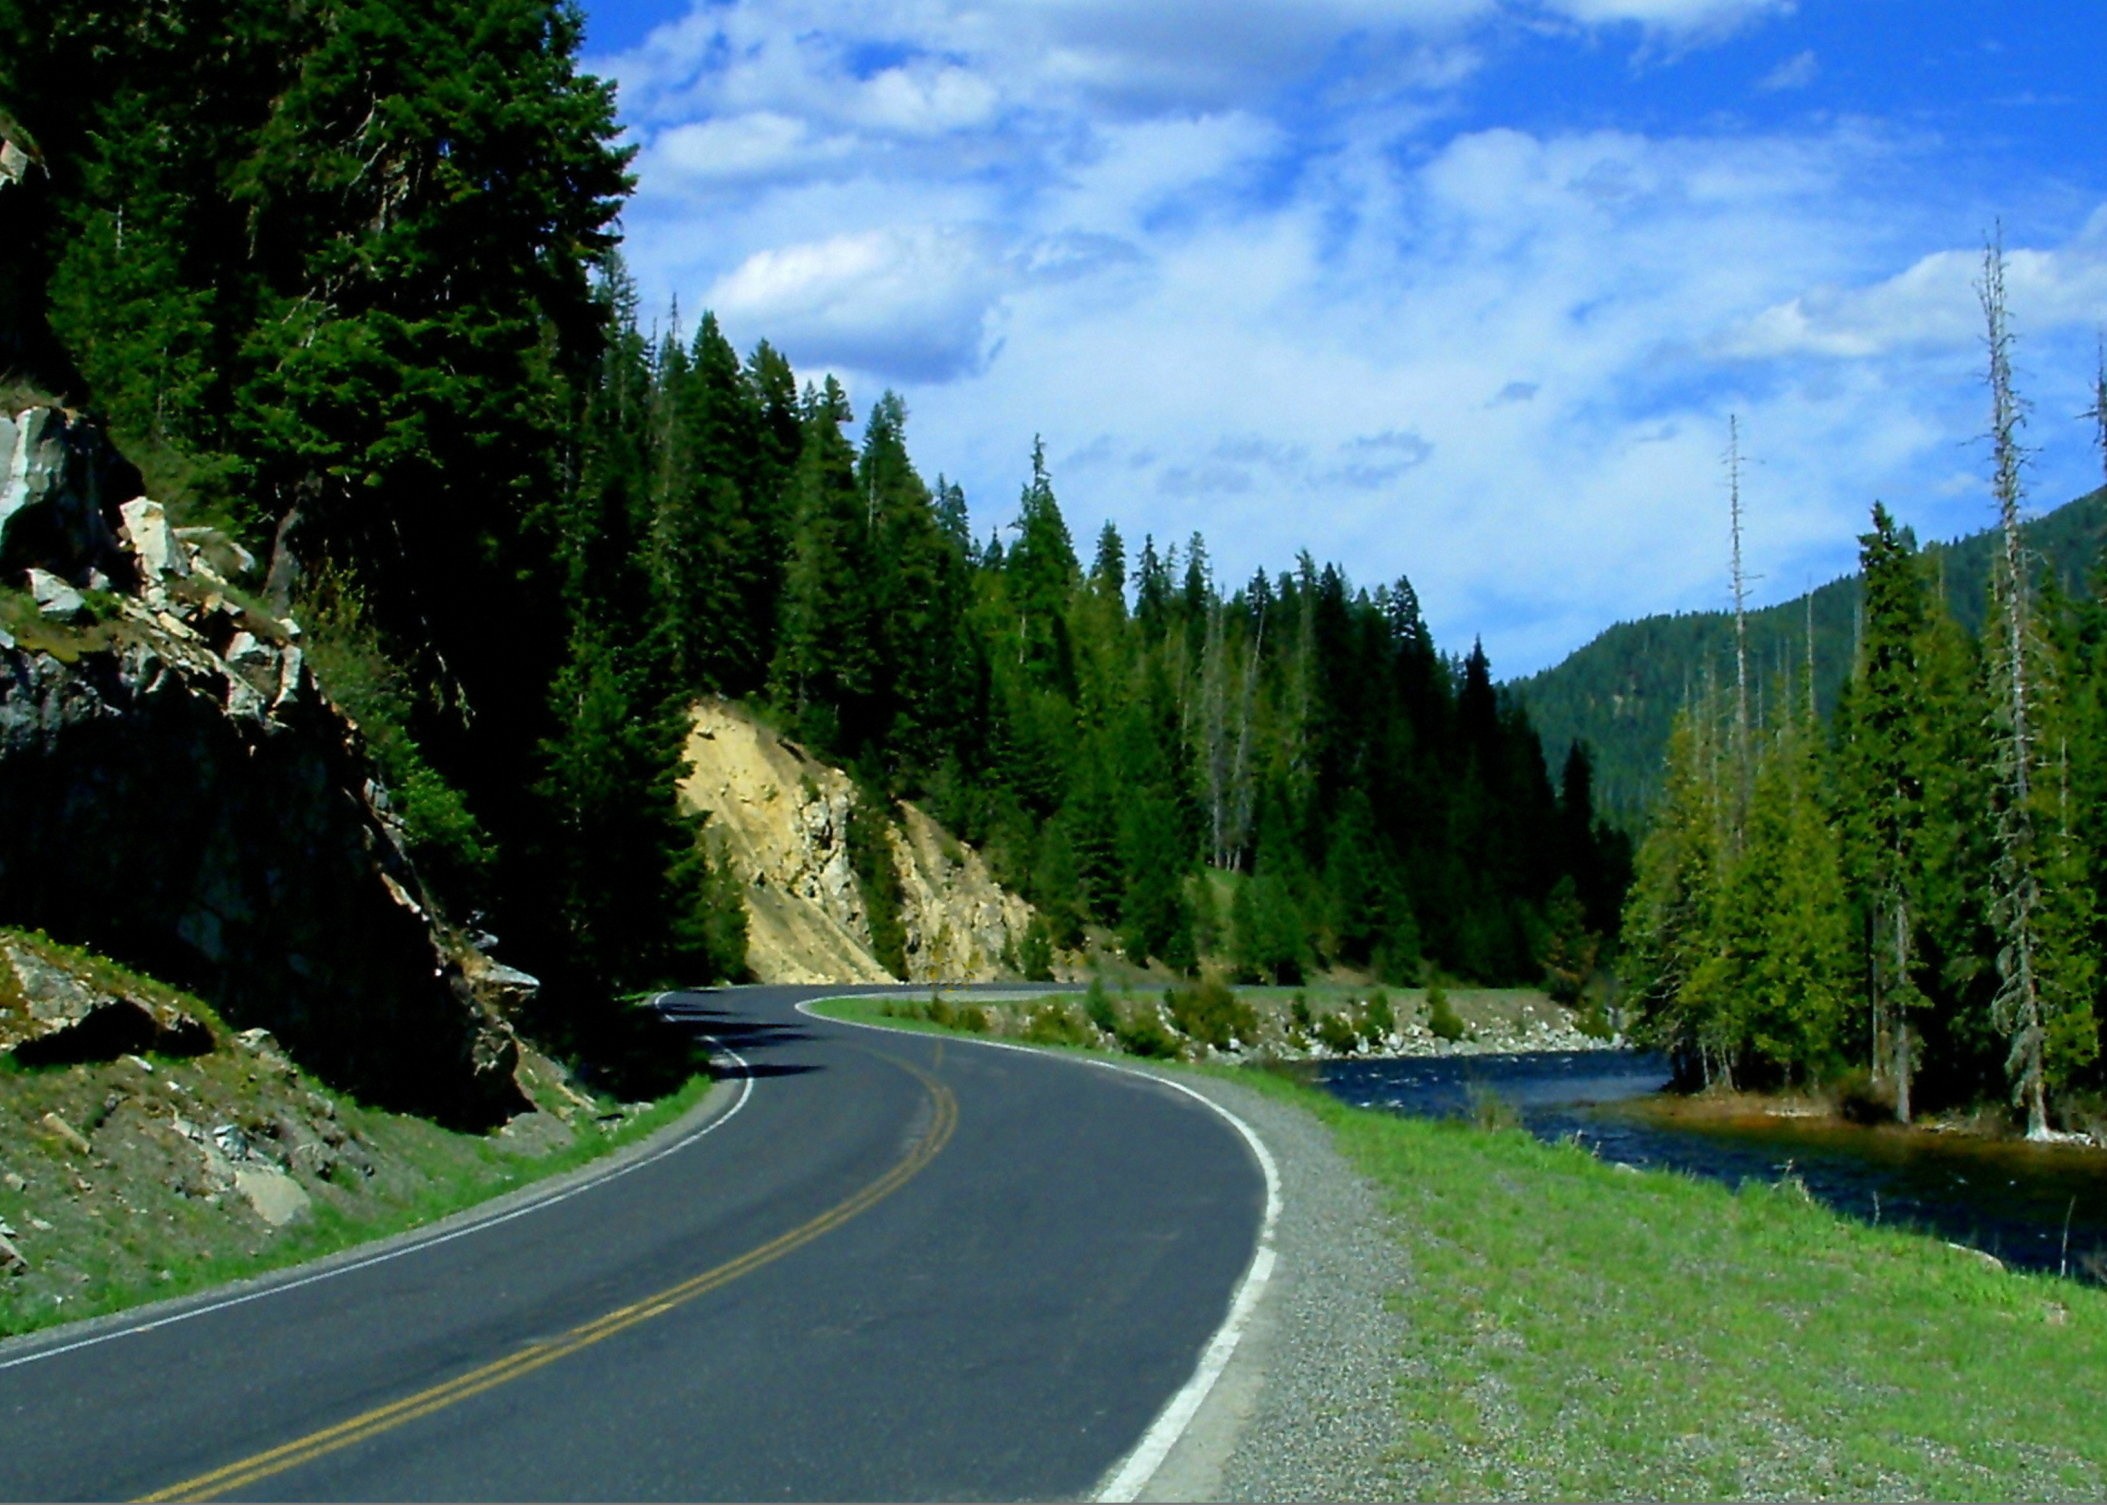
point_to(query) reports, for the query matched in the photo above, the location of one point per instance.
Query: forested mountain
(1908, 891)
(342, 278)
(1621, 692)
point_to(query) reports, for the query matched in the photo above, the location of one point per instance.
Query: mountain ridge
(1619, 692)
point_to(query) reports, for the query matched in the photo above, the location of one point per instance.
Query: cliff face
(177, 793)
(780, 818)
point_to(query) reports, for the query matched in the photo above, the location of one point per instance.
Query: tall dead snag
(2016, 907)
(1741, 621)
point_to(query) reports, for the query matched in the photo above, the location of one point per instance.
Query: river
(2008, 1198)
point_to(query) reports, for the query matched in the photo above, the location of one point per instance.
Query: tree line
(1903, 897)
(343, 278)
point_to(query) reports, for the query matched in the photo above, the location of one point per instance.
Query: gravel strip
(1307, 1410)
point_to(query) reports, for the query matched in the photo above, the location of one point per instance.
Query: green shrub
(1211, 1013)
(877, 878)
(1299, 1011)
(1594, 1021)
(1141, 1033)
(1337, 1033)
(1035, 955)
(1442, 1017)
(1379, 1019)
(1057, 1024)
(1097, 1003)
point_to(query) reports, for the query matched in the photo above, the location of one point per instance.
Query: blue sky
(1464, 290)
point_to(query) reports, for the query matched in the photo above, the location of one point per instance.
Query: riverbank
(1729, 1109)
(1322, 1021)
(1570, 1328)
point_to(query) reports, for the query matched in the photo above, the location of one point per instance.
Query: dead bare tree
(2016, 911)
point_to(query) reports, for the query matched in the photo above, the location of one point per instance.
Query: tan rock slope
(780, 818)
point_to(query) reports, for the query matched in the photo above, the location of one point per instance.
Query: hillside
(1619, 694)
(781, 821)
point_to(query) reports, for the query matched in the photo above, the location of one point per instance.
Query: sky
(1465, 291)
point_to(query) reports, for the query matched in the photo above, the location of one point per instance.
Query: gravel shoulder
(1307, 1408)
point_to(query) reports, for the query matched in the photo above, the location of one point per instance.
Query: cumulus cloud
(906, 305)
(1254, 270)
(1932, 304)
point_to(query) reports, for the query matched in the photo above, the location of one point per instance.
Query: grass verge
(1580, 1330)
(111, 1193)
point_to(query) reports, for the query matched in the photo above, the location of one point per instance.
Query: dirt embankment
(780, 817)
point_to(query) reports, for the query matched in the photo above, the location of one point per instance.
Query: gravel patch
(1307, 1409)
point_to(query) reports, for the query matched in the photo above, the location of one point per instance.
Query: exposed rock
(50, 1014)
(56, 599)
(153, 544)
(277, 1197)
(59, 487)
(11, 1260)
(780, 819)
(176, 795)
(65, 1133)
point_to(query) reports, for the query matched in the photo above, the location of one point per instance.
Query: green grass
(1576, 1330)
(131, 1221)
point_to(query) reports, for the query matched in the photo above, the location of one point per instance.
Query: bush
(1442, 1017)
(1035, 955)
(1141, 1033)
(1057, 1024)
(1862, 1100)
(1211, 1013)
(1337, 1034)
(1594, 1021)
(1379, 1019)
(1299, 1011)
(1097, 1003)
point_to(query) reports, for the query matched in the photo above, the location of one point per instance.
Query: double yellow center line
(535, 1356)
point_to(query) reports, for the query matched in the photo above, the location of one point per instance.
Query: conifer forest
(345, 279)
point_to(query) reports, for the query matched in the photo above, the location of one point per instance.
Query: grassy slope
(1583, 1331)
(135, 1218)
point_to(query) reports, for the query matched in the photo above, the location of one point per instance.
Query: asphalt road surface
(904, 1267)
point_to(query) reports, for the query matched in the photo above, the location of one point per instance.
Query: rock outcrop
(780, 819)
(176, 793)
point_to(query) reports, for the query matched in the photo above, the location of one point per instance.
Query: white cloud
(1243, 271)
(1797, 72)
(1932, 304)
(914, 303)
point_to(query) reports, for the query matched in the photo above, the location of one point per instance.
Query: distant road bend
(899, 1267)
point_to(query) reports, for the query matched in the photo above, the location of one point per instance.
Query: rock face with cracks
(780, 818)
(177, 793)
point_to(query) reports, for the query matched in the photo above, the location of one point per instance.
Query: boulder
(59, 483)
(50, 1014)
(55, 598)
(161, 557)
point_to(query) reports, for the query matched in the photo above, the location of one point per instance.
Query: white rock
(277, 1197)
(55, 598)
(154, 543)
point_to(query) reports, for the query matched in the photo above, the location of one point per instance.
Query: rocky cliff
(178, 794)
(780, 818)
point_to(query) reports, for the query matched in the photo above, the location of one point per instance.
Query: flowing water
(2011, 1199)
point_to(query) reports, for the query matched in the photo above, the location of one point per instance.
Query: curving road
(900, 1267)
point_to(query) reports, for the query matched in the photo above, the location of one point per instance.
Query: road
(905, 1267)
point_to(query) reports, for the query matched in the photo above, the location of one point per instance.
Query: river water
(2008, 1198)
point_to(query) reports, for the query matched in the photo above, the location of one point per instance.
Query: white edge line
(1134, 1471)
(416, 1245)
